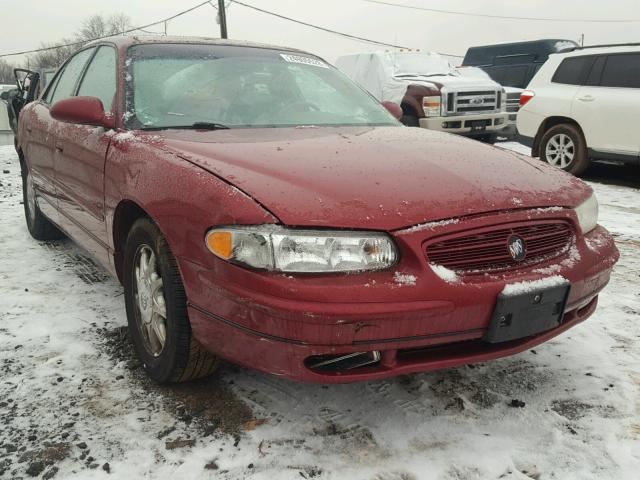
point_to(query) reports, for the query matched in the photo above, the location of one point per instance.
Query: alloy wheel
(151, 314)
(560, 150)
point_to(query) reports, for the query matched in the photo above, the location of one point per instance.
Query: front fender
(184, 200)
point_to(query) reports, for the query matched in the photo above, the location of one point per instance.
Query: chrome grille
(485, 249)
(481, 101)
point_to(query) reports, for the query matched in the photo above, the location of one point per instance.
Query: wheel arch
(548, 123)
(125, 215)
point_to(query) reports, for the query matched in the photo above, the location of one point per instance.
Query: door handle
(587, 98)
(29, 129)
(59, 148)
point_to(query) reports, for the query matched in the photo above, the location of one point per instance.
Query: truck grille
(486, 250)
(513, 102)
(486, 101)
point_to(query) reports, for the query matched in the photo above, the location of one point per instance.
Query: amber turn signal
(220, 243)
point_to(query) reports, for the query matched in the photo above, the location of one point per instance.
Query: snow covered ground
(75, 404)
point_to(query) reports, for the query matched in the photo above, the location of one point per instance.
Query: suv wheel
(38, 225)
(563, 146)
(156, 305)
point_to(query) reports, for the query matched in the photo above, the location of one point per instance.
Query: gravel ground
(74, 402)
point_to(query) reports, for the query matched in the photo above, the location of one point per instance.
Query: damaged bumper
(344, 328)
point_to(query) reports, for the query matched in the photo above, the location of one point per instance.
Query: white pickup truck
(431, 92)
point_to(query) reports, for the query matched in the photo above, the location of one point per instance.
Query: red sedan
(259, 207)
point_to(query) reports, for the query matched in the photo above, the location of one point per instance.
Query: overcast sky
(26, 23)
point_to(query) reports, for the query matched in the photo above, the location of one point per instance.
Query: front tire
(156, 305)
(563, 146)
(38, 225)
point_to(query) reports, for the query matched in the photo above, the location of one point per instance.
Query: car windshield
(189, 85)
(421, 64)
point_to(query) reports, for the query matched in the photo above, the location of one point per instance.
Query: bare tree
(6, 72)
(119, 23)
(96, 26)
(93, 27)
(54, 56)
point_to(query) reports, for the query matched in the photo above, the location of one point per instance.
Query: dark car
(515, 64)
(260, 207)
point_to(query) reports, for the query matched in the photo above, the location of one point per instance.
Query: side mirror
(83, 111)
(394, 109)
(4, 96)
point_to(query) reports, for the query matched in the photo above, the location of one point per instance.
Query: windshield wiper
(193, 126)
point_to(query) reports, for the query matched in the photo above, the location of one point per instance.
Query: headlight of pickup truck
(587, 213)
(270, 247)
(431, 106)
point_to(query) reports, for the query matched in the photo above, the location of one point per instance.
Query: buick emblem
(477, 101)
(516, 248)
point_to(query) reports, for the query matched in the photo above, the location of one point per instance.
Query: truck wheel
(156, 305)
(563, 146)
(38, 225)
(410, 120)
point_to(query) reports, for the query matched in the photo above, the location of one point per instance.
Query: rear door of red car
(80, 158)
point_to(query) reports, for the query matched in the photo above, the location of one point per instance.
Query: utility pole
(582, 40)
(222, 16)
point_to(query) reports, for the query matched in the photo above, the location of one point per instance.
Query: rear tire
(156, 305)
(38, 225)
(563, 146)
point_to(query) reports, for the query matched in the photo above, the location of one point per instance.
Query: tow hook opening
(338, 363)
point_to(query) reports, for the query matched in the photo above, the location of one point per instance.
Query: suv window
(69, 77)
(573, 70)
(100, 78)
(622, 71)
(593, 80)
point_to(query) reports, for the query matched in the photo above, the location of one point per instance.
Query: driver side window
(100, 78)
(69, 77)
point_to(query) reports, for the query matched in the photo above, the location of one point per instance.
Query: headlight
(587, 213)
(270, 247)
(431, 106)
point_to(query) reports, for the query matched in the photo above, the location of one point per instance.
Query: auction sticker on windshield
(304, 60)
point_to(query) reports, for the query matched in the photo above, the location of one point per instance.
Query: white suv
(584, 105)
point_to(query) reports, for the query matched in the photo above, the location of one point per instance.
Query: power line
(503, 17)
(82, 42)
(317, 27)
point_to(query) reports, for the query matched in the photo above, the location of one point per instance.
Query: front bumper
(274, 322)
(460, 124)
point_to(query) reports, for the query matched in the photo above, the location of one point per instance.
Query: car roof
(601, 49)
(485, 54)
(125, 41)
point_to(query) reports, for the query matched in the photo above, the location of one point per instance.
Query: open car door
(27, 83)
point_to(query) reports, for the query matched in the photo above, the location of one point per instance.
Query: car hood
(449, 81)
(382, 178)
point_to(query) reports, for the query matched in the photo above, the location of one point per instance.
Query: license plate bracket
(527, 314)
(477, 125)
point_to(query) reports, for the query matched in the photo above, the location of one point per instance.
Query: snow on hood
(382, 178)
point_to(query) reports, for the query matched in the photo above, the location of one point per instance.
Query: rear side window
(572, 71)
(622, 71)
(593, 80)
(70, 75)
(100, 78)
